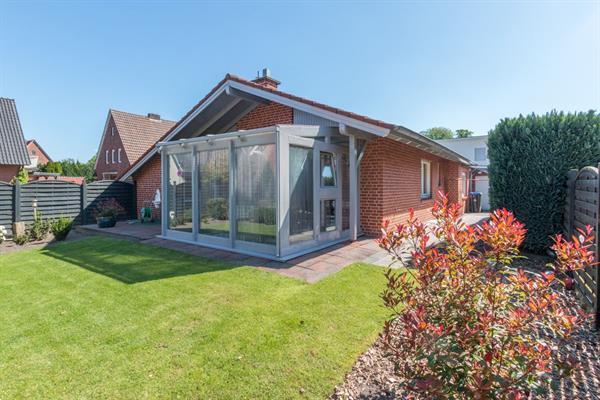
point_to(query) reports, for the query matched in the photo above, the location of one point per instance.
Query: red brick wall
(7, 172)
(147, 180)
(266, 115)
(111, 142)
(35, 151)
(390, 183)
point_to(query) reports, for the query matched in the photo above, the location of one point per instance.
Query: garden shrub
(61, 227)
(529, 160)
(21, 239)
(217, 208)
(464, 324)
(3, 233)
(110, 208)
(39, 229)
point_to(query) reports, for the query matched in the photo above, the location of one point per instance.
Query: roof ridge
(138, 115)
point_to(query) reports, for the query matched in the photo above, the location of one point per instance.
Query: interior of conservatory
(275, 192)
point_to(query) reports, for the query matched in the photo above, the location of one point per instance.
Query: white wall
(466, 147)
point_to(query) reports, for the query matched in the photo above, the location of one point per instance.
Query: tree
(463, 133)
(72, 167)
(438, 133)
(53, 167)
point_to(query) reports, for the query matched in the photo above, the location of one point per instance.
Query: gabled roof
(13, 150)
(232, 85)
(138, 133)
(39, 147)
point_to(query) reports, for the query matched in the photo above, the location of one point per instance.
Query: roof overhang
(231, 100)
(234, 100)
(414, 139)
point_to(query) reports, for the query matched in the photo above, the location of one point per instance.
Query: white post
(195, 197)
(164, 181)
(353, 188)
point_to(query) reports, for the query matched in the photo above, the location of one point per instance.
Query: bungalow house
(125, 138)
(13, 151)
(256, 170)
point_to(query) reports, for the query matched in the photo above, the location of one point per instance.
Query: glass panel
(327, 169)
(256, 193)
(180, 192)
(301, 194)
(213, 187)
(345, 192)
(327, 215)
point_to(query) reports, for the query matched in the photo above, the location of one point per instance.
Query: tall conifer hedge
(529, 160)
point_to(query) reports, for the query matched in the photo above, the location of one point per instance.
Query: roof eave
(421, 142)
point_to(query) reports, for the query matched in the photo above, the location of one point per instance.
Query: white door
(482, 184)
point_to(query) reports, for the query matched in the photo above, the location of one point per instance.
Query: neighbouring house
(259, 171)
(125, 138)
(475, 149)
(37, 155)
(13, 151)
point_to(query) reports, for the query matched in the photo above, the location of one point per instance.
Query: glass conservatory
(275, 192)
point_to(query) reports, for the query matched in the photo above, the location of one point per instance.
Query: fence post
(17, 201)
(571, 176)
(597, 235)
(83, 203)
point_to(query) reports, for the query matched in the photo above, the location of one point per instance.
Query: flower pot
(106, 222)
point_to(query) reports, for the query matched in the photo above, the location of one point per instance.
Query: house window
(113, 155)
(112, 131)
(106, 157)
(439, 175)
(463, 184)
(119, 156)
(327, 170)
(425, 179)
(480, 154)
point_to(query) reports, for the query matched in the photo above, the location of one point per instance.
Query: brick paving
(309, 267)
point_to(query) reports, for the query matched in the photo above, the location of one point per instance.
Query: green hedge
(529, 160)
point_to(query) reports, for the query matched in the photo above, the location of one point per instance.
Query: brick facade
(390, 174)
(390, 183)
(266, 115)
(112, 141)
(35, 150)
(7, 172)
(147, 180)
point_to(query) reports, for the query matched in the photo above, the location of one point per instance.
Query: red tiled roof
(231, 77)
(138, 132)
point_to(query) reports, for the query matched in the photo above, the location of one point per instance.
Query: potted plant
(107, 212)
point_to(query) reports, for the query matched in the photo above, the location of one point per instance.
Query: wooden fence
(54, 198)
(583, 208)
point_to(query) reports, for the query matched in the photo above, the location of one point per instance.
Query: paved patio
(310, 267)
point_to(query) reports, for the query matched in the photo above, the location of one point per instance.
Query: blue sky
(418, 64)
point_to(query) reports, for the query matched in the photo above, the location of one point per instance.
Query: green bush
(529, 160)
(217, 208)
(39, 229)
(61, 227)
(21, 239)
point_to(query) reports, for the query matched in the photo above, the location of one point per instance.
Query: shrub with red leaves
(465, 324)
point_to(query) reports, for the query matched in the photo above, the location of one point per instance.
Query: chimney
(264, 79)
(153, 116)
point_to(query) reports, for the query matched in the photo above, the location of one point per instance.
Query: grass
(105, 318)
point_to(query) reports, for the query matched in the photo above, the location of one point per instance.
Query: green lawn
(104, 318)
